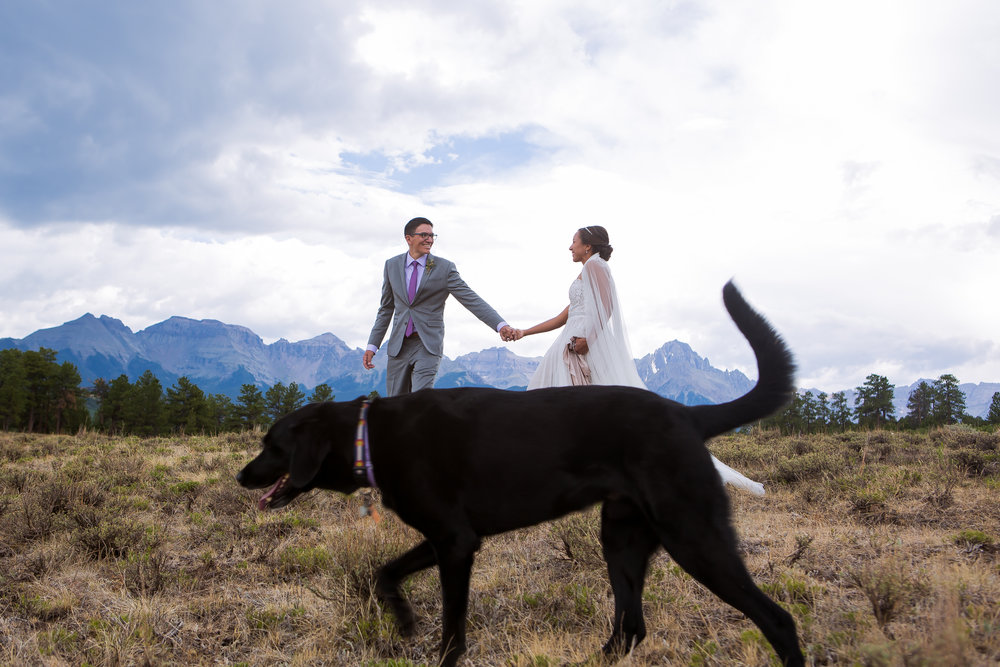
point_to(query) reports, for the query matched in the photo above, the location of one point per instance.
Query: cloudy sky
(254, 162)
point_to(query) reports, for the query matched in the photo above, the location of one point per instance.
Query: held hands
(509, 334)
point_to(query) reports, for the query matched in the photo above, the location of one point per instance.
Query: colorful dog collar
(362, 455)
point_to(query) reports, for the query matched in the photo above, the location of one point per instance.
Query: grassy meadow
(130, 551)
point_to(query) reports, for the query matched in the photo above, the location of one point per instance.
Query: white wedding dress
(594, 314)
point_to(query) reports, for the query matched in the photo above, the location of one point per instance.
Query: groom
(414, 289)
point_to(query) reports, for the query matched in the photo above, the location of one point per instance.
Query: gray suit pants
(413, 369)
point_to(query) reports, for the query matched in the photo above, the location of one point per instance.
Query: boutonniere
(430, 264)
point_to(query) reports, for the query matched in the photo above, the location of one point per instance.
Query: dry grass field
(127, 551)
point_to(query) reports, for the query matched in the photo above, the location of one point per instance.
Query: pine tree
(38, 367)
(993, 416)
(144, 410)
(274, 401)
(788, 420)
(187, 407)
(873, 403)
(100, 392)
(13, 398)
(69, 411)
(321, 394)
(112, 413)
(293, 400)
(840, 412)
(250, 407)
(809, 410)
(222, 413)
(823, 411)
(919, 405)
(949, 400)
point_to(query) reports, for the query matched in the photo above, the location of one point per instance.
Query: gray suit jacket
(427, 308)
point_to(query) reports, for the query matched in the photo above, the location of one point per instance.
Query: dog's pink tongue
(266, 498)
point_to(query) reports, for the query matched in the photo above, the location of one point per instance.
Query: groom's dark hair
(412, 225)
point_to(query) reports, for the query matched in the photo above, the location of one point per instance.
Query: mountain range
(221, 358)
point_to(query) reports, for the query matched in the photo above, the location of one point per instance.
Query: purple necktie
(411, 292)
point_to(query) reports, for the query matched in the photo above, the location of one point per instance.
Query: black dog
(461, 464)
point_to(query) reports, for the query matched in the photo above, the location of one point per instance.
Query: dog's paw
(406, 620)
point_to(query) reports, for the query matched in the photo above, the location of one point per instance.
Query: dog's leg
(392, 574)
(708, 553)
(627, 540)
(455, 557)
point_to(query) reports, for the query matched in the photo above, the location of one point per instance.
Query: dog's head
(306, 449)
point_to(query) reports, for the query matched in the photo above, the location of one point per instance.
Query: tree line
(930, 404)
(38, 394)
(145, 408)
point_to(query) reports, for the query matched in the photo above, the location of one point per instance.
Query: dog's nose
(239, 477)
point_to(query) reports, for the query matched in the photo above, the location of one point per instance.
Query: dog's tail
(775, 370)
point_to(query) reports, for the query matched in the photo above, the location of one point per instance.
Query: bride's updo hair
(597, 238)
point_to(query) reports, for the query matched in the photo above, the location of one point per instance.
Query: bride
(593, 346)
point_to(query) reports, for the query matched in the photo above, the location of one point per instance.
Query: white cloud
(839, 161)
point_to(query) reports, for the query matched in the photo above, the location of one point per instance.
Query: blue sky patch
(453, 160)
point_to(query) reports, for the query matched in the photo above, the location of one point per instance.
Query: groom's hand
(367, 361)
(507, 334)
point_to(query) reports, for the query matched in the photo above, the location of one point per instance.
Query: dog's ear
(315, 429)
(312, 444)
(307, 459)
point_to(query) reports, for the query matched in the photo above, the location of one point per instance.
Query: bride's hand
(580, 345)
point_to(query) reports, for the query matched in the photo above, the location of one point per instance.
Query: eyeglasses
(424, 235)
